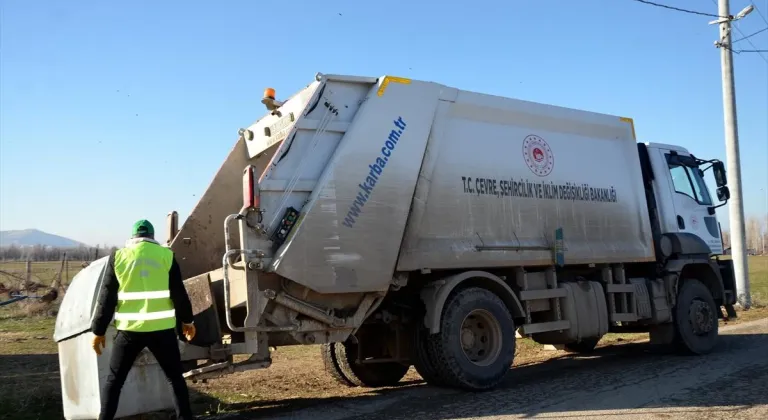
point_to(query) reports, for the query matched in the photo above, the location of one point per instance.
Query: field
(43, 272)
(29, 376)
(758, 275)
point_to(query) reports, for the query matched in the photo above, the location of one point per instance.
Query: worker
(144, 291)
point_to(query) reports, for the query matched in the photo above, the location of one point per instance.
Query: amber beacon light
(270, 100)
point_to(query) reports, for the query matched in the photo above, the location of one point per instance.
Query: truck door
(691, 201)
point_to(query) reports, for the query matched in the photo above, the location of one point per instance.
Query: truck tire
(695, 317)
(475, 347)
(423, 361)
(344, 368)
(584, 346)
(331, 365)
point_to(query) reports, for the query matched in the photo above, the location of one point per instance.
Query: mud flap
(662, 334)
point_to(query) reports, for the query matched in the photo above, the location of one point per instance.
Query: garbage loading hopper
(199, 243)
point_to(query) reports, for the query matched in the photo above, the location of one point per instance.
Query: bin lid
(79, 302)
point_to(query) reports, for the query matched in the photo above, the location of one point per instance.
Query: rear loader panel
(349, 234)
(199, 244)
(277, 126)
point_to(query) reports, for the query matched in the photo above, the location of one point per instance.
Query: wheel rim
(480, 337)
(700, 317)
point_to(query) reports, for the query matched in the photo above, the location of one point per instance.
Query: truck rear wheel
(696, 325)
(476, 344)
(422, 359)
(343, 367)
(331, 365)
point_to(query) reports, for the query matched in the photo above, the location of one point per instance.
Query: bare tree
(754, 231)
(726, 239)
(764, 236)
(47, 253)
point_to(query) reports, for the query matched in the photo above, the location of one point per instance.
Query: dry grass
(758, 280)
(30, 388)
(43, 272)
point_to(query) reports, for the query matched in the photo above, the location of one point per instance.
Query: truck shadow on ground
(619, 377)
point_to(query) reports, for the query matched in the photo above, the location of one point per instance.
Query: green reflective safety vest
(143, 299)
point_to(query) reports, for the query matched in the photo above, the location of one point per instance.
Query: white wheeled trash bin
(83, 373)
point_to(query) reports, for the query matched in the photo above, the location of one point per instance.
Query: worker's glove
(98, 340)
(189, 331)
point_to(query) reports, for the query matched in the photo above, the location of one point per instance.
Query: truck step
(205, 371)
(620, 293)
(216, 370)
(541, 327)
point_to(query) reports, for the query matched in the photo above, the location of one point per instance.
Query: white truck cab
(683, 201)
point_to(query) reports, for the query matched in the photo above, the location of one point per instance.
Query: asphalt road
(633, 381)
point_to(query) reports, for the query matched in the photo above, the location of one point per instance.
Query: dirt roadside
(630, 381)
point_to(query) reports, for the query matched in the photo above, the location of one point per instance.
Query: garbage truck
(402, 223)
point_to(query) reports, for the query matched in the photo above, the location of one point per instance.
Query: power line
(744, 51)
(693, 12)
(736, 26)
(750, 43)
(750, 36)
(759, 13)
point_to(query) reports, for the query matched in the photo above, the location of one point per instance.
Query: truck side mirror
(723, 193)
(718, 168)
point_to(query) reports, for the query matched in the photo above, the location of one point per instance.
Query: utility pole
(736, 208)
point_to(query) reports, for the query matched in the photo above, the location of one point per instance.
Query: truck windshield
(687, 179)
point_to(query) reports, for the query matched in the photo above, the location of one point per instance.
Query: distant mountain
(29, 237)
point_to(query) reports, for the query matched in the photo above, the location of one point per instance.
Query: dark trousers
(164, 346)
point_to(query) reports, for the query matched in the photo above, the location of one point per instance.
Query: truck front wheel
(696, 324)
(476, 343)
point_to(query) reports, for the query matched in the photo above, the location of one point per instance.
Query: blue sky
(91, 91)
